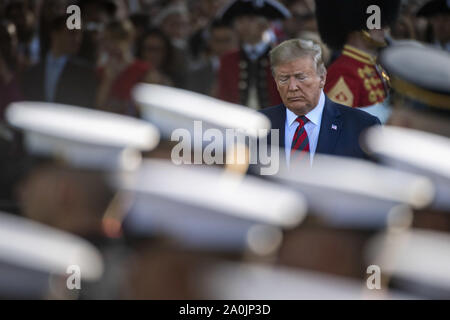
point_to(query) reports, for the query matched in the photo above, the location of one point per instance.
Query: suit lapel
(278, 122)
(330, 128)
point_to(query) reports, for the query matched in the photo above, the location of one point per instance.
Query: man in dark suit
(59, 77)
(308, 121)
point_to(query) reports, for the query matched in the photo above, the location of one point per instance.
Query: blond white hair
(297, 48)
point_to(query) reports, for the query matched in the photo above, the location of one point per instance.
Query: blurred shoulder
(354, 114)
(274, 110)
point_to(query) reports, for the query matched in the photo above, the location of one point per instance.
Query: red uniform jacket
(237, 73)
(355, 80)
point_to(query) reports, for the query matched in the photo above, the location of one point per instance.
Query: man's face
(222, 40)
(69, 41)
(176, 26)
(250, 28)
(299, 84)
(154, 51)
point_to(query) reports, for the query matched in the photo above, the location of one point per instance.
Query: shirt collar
(314, 115)
(259, 48)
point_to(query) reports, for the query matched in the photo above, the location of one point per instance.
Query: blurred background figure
(203, 14)
(141, 22)
(12, 168)
(158, 271)
(407, 25)
(9, 85)
(244, 75)
(354, 78)
(303, 25)
(65, 198)
(175, 22)
(437, 14)
(21, 13)
(221, 39)
(61, 76)
(155, 48)
(119, 70)
(47, 12)
(419, 102)
(95, 15)
(303, 18)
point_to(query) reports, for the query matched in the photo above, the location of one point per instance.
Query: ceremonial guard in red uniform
(355, 79)
(244, 75)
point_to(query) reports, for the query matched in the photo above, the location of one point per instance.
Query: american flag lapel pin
(334, 127)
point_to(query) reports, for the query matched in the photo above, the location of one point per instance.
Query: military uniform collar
(359, 55)
(254, 52)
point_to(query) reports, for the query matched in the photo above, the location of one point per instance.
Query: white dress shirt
(312, 128)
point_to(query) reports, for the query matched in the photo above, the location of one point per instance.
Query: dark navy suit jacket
(348, 122)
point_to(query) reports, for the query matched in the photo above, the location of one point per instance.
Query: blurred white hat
(82, 137)
(414, 151)
(355, 193)
(251, 281)
(30, 253)
(416, 260)
(171, 108)
(203, 207)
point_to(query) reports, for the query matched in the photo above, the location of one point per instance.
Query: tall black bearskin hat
(108, 5)
(337, 19)
(433, 8)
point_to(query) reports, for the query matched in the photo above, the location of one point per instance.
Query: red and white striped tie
(300, 142)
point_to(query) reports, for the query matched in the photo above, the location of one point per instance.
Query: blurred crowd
(174, 43)
(56, 164)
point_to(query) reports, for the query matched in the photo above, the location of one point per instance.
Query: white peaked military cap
(170, 108)
(204, 207)
(355, 193)
(82, 137)
(414, 151)
(417, 261)
(252, 281)
(30, 253)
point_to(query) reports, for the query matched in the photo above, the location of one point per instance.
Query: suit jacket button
(242, 85)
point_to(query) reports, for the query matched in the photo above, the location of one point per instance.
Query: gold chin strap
(373, 42)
